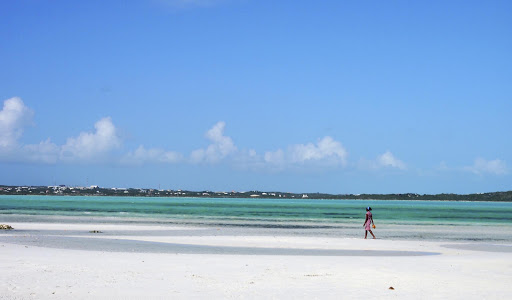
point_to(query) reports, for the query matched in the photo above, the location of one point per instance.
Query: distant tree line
(132, 192)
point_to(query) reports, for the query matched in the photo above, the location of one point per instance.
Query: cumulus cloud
(326, 152)
(389, 160)
(482, 166)
(44, 152)
(89, 145)
(385, 160)
(221, 146)
(85, 148)
(14, 116)
(326, 148)
(153, 155)
(96, 145)
(275, 157)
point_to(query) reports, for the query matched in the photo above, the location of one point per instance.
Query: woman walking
(368, 223)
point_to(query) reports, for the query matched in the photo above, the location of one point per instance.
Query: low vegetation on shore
(141, 192)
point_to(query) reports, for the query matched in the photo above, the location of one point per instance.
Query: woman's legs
(371, 233)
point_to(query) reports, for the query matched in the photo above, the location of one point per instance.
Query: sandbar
(44, 260)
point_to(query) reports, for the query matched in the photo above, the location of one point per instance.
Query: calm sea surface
(265, 210)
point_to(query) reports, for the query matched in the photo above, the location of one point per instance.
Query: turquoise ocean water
(261, 210)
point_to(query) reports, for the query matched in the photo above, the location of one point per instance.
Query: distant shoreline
(142, 192)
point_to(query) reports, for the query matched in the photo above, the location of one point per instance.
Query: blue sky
(299, 96)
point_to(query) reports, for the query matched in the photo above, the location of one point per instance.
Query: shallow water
(262, 210)
(424, 220)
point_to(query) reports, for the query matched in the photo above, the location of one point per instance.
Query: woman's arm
(365, 220)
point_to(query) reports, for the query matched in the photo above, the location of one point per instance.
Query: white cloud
(326, 149)
(326, 152)
(385, 160)
(221, 146)
(245, 159)
(44, 152)
(389, 160)
(85, 147)
(92, 145)
(153, 155)
(482, 166)
(274, 157)
(14, 116)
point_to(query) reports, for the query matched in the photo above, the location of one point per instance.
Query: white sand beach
(66, 261)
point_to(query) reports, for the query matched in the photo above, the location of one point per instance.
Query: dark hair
(368, 208)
